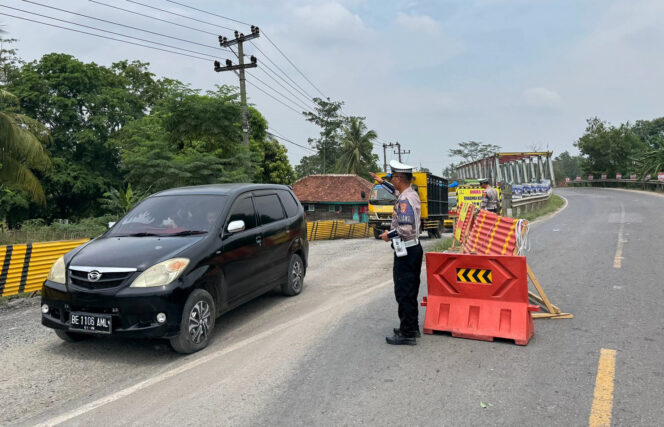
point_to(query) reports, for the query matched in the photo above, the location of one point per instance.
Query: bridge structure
(511, 167)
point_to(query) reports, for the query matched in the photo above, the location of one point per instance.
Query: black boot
(398, 339)
(417, 332)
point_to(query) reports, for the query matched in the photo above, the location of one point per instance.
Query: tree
(650, 159)
(356, 155)
(119, 202)
(450, 171)
(608, 149)
(566, 165)
(330, 120)
(21, 150)
(472, 150)
(82, 105)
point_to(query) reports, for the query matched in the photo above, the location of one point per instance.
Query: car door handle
(259, 240)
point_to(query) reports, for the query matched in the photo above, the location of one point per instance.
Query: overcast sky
(428, 74)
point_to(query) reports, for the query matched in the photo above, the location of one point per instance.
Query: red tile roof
(332, 188)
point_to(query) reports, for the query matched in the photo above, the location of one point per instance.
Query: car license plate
(88, 322)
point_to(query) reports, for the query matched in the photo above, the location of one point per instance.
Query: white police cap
(400, 167)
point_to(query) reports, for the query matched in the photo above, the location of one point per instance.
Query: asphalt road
(321, 358)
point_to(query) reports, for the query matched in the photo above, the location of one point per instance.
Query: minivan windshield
(181, 215)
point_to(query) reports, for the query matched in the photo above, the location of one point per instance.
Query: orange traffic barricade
(478, 296)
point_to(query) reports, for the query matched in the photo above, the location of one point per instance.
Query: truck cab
(433, 197)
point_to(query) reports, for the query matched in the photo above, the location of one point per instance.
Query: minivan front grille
(106, 277)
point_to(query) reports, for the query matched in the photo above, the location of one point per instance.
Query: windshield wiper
(186, 233)
(141, 234)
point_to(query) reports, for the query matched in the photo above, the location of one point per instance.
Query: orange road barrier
(492, 234)
(25, 267)
(463, 223)
(480, 297)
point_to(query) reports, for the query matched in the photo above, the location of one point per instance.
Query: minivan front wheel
(198, 317)
(295, 280)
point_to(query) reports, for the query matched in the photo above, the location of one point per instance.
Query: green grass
(38, 231)
(552, 205)
(5, 300)
(441, 246)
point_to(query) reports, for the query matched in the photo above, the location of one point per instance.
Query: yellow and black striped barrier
(25, 267)
(337, 229)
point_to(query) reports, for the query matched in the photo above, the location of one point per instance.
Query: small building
(334, 196)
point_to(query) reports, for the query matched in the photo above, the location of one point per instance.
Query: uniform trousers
(406, 274)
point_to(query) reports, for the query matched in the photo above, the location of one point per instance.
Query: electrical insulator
(237, 34)
(229, 63)
(253, 59)
(217, 64)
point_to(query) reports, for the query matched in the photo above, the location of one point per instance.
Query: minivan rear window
(171, 216)
(269, 208)
(291, 206)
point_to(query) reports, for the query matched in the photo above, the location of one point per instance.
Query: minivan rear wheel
(295, 280)
(198, 318)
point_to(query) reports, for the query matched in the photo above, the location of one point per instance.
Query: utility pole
(399, 152)
(239, 40)
(385, 155)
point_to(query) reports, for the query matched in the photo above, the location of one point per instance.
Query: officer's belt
(411, 243)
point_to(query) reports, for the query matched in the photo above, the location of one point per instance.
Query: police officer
(404, 233)
(490, 199)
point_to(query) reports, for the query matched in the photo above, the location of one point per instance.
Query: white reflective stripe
(102, 269)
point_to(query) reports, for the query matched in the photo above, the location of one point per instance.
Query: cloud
(330, 22)
(418, 24)
(542, 98)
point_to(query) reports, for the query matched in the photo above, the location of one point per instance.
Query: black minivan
(177, 261)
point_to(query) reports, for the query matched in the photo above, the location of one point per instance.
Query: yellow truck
(432, 190)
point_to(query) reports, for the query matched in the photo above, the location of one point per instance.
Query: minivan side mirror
(111, 224)
(236, 226)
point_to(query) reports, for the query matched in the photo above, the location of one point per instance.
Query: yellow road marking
(600, 414)
(617, 259)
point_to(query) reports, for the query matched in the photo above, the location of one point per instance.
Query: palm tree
(651, 160)
(356, 149)
(22, 150)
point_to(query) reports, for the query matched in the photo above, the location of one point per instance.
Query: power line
(276, 99)
(263, 31)
(288, 140)
(153, 17)
(220, 26)
(284, 87)
(205, 11)
(282, 95)
(179, 15)
(105, 37)
(124, 25)
(105, 31)
(294, 66)
(304, 92)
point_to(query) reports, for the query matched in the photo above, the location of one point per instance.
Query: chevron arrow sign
(474, 275)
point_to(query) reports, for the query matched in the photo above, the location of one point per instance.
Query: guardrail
(629, 183)
(513, 207)
(25, 267)
(337, 229)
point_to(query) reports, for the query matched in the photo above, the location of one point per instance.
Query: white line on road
(617, 260)
(207, 358)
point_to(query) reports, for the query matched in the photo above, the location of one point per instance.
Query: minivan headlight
(161, 274)
(57, 273)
